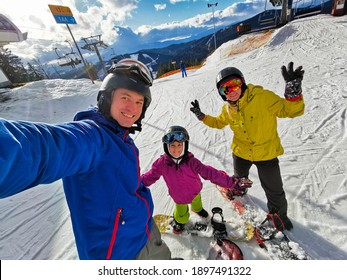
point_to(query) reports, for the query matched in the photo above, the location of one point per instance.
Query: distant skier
(181, 170)
(183, 69)
(251, 113)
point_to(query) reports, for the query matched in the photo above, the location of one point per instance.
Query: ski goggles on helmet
(128, 65)
(230, 86)
(174, 136)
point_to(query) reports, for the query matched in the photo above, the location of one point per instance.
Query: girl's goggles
(174, 136)
(230, 86)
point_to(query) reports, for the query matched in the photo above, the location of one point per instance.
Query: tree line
(16, 72)
(19, 74)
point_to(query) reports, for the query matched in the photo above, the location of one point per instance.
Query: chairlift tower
(214, 25)
(92, 44)
(63, 15)
(286, 10)
(283, 19)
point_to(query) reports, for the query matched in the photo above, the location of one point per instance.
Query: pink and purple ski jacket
(183, 180)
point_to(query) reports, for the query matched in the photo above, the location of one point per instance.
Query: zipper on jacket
(114, 233)
(126, 133)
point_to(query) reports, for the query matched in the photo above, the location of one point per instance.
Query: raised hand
(293, 81)
(196, 110)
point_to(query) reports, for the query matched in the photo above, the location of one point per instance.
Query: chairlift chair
(69, 59)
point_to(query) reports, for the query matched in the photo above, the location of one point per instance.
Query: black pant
(270, 178)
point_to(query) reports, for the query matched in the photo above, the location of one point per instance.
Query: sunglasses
(174, 136)
(136, 67)
(230, 86)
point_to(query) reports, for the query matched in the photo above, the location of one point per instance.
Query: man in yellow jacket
(251, 113)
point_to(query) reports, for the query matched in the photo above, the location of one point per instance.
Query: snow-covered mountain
(192, 40)
(180, 32)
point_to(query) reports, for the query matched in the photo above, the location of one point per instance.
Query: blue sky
(35, 17)
(101, 16)
(113, 18)
(156, 12)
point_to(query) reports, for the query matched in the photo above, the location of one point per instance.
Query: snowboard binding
(217, 222)
(269, 228)
(224, 249)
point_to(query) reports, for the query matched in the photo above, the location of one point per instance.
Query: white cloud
(200, 20)
(177, 1)
(97, 17)
(35, 17)
(144, 29)
(159, 7)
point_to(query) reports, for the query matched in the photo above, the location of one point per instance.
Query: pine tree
(13, 67)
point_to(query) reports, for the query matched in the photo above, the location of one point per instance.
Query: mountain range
(190, 48)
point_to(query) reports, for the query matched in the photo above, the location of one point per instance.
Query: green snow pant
(181, 213)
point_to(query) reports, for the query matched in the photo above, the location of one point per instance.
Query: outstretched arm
(219, 177)
(151, 176)
(36, 153)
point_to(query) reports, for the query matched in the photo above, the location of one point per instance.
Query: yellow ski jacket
(254, 122)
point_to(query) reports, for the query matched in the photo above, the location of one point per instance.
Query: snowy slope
(35, 224)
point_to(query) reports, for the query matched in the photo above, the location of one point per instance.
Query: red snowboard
(225, 249)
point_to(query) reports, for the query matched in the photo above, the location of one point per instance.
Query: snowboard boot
(282, 221)
(203, 213)
(288, 225)
(218, 224)
(177, 227)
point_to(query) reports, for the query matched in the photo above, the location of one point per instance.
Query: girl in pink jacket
(181, 170)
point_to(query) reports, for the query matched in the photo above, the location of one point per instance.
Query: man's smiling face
(126, 106)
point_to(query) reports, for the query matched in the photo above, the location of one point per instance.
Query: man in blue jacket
(111, 210)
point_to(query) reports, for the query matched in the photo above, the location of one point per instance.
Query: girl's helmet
(176, 133)
(130, 74)
(227, 74)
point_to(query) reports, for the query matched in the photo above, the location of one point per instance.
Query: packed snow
(35, 224)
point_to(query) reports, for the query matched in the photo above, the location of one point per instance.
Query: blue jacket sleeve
(36, 153)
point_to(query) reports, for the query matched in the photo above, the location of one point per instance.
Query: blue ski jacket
(110, 208)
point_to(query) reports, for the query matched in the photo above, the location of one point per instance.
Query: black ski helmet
(176, 133)
(228, 73)
(129, 74)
